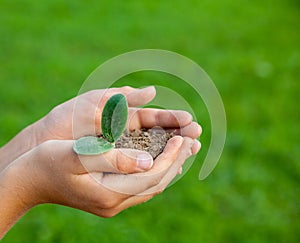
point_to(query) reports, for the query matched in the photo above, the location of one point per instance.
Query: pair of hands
(39, 165)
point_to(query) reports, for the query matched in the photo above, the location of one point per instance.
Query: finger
(96, 95)
(148, 118)
(139, 97)
(192, 130)
(195, 149)
(136, 183)
(64, 162)
(196, 146)
(135, 97)
(185, 152)
(96, 195)
(118, 161)
(169, 155)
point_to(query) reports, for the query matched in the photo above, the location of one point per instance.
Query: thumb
(140, 97)
(118, 161)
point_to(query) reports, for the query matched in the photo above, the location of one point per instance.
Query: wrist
(17, 195)
(24, 141)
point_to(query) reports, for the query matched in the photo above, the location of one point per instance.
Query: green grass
(249, 48)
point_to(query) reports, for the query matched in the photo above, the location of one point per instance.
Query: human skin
(80, 116)
(39, 165)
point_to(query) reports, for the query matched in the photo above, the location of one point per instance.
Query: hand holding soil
(39, 165)
(113, 123)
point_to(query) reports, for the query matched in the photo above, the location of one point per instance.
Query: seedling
(113, 122)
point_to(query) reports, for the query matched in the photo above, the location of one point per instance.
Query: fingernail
(144, 161)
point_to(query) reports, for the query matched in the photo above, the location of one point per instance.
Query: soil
(151, 140)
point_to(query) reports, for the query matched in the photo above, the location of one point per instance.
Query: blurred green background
(251, 51)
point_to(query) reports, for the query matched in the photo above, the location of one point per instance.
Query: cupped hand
(80, 116)
(53, 173)
(50, 172)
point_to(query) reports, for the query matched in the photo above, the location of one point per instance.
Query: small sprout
(113, 123)
(92, 145)
(114, 117)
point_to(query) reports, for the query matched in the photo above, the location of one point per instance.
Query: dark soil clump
(151, 140)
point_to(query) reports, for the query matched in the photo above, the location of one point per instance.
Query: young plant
(113, 122)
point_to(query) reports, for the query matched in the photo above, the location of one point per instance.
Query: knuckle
(157, 118)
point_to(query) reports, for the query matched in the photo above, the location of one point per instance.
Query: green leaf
(92, 145)
(114, 117)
